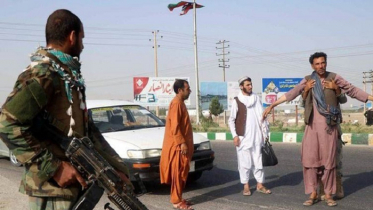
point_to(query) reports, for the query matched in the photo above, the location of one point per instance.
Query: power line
(185, 37)
(178, 34)
(210, 39)
(86, 27)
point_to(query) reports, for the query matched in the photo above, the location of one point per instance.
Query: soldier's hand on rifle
(66, 175)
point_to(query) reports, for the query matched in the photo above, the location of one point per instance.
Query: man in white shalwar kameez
(249, 133)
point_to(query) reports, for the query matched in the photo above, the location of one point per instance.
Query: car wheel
(13, 159)
(192, 177)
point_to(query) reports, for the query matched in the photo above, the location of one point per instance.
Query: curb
(349, 138)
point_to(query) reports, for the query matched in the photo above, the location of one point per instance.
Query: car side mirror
(164, 121)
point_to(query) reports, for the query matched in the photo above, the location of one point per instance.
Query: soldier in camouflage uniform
(341, 99)
(52, 86)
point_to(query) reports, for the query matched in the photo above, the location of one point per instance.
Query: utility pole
(370, 80)
(196, 62)
(222, 43)
(365, 89)
(224, 66)
(155, 46)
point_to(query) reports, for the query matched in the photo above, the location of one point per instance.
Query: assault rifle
(96, 171)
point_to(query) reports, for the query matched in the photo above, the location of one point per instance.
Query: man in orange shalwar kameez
(177, 147)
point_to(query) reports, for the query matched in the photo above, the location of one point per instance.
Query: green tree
(215, 107)
(162, 111)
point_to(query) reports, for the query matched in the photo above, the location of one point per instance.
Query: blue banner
(274, 88)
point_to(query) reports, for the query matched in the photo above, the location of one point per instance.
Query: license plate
(192, 167)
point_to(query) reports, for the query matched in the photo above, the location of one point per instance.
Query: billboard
(154, 91)
(233, 90)
(274, 88)
(210, 90)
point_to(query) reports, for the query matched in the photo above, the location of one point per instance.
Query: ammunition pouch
(27, 102)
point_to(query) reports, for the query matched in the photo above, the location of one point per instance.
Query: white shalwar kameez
(249, 153)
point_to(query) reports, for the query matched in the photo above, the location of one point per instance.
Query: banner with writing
(274, 88)
(233, 90)
(154, 91)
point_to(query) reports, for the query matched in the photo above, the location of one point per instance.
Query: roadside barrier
(349, 138)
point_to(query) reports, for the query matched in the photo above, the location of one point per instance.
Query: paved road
(220, 188)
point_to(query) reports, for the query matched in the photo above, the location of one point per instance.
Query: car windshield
(126, 117)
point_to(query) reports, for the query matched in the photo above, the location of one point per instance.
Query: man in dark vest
(246, 127)
(369, 115)
(341, 97)
(321, 116)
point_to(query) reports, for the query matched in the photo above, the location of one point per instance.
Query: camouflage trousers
(50, 203)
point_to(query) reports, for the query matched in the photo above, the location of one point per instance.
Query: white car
(4, 152)
(137, 136)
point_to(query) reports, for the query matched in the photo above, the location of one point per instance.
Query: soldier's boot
(340, 192)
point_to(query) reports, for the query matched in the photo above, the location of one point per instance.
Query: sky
(267, 39)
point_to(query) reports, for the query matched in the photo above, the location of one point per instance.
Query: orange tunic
(174, 167)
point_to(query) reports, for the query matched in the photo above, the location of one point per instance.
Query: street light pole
(156, 65)
(156, 61)
(196, 62)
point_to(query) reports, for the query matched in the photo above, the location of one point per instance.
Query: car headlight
(204, 146)
(141, 154)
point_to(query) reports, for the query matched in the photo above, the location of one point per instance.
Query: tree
(215, 107)
(162, 112)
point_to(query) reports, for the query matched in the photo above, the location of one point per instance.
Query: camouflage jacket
(40, 88)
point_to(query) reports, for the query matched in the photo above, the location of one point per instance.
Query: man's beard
(75, 50)
(246, 91)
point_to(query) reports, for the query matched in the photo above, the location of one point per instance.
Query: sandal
(183, 205)
(311, 201)
(330, 202)
(189, 203)
(246, 193)
(264, 190)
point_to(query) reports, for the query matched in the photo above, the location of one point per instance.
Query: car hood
(147, 138)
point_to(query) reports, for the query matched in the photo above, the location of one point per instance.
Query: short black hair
(179, 83)
(59, 25)
(243, 81)
(317, 55)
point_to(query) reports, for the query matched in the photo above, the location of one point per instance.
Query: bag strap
(53, 121)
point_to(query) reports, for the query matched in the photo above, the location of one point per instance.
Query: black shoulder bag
(268, 155)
